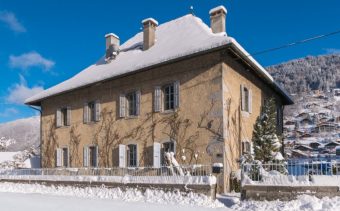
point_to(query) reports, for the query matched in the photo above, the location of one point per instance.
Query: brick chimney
(217, 19)
(112, 46)
(149, 32)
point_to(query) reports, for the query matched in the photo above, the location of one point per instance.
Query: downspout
(40, 111)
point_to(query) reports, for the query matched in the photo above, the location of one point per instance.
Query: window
(62, 157)
(92, 111)
(93, 156)
(246, 97)
(65, 157)
(132, 155)
(132, 103)
(169, 97)
(129, 104)
(63, 116)
(167, 147)
(166, 98)
(246, 147)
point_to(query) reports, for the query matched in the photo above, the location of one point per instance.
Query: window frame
(163, 144)
(128, 102)
(166, 98)
(91, 111)
(132, 163)
(92, 152)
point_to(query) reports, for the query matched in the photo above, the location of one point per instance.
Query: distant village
(312, 126)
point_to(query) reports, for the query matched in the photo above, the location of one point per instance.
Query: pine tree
(266, 143)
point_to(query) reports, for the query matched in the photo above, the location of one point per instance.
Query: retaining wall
(286, 193)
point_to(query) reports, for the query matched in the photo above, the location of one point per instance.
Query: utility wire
(294, 43)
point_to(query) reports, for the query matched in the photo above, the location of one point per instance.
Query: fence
(257, 172)
(193, 170)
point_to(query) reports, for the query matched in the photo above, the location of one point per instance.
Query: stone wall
(286, 193)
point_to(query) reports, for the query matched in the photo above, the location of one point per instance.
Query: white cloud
(31, 59)
(18, 93)
(12, 22)
(8, 112)
(332, 51)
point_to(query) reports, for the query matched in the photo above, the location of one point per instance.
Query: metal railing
(257, 172)
(168, 171)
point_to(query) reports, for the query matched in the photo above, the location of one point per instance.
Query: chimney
(217, 19)
(112, 46)
(149, 35)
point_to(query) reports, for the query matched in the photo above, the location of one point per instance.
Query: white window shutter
(97, 109)
(138, 98)
(58, 117)
(242, 98)
(122, 105)
(137, 155)
(97, 156)
(250, 98)
(251, 148)
(156, 155)
(86, 156)
(122, 156)
(59, 157)
(86, 112)
(68, 157)
(68, 116)
(157, 99)
(176, 92)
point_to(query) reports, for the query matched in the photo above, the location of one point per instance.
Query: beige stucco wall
(200, 97)
(238, 124)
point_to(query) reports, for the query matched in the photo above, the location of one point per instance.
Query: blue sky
(45, 42)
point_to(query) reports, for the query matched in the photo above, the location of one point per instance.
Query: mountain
(309, 73)
(20, 134)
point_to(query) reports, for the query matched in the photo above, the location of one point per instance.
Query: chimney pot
(112, 46)
(218, 19)
(149, 32)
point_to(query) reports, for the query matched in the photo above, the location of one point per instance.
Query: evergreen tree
(266, 143)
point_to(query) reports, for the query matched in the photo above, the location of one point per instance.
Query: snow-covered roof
(178, 38)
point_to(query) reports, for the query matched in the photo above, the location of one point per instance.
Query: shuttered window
(63, 117)
(59, 157)
(92, 111)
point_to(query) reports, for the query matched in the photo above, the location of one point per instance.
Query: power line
(294, 43)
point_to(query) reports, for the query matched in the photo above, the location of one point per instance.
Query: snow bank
(129, 195)
(185, 180)
(303, 202)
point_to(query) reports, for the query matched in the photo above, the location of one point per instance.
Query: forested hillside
(310, 73)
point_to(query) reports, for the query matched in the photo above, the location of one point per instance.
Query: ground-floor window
(93, 156)
(167, 147)
(90, 156)
(132, 155)
(62, 157)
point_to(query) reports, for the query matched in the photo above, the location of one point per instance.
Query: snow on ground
(38, 197)
(7, 156)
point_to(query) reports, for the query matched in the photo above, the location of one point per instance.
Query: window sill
(245, 113)
(91, 123)
(131, 117)
(63, 127)
(168, 111)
